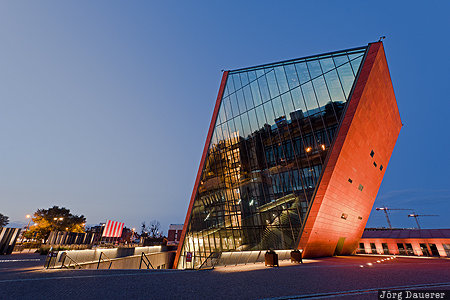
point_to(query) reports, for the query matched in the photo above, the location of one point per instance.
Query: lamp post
(28, 226)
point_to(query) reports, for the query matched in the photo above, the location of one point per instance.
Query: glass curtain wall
(274, 128)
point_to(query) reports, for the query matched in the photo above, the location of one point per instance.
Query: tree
(4, 220)
(54, 219)
(143, 228)
(153, 230)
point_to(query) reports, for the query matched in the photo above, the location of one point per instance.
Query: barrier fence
(73, 238)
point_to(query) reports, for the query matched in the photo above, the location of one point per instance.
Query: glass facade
(272, 134)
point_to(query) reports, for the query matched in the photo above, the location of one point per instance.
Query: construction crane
(385, 209)
(416, 217)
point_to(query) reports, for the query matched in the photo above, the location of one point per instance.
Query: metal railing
(100, 259)
(146, 261)
(213, 258)
(71, 260)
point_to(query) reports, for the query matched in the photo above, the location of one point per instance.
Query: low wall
(231, 259)
(93, 255)
(160, 260)
(248, 257)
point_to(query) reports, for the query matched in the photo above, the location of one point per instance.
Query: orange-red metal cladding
(202, 162)
(371, 122)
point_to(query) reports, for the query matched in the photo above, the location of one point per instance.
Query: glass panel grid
(275, 126)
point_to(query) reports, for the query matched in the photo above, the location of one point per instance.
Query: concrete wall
(249, 257)
(159, 260)
(93, 255)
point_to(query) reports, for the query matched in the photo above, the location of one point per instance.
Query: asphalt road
(342, 277)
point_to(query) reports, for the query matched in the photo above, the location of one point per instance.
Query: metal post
(387, 218)
(62, 263)
(98, 265)
(417, 221)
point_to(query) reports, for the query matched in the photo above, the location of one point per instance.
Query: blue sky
(105, 105)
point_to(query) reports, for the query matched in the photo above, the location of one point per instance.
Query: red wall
(371, 122)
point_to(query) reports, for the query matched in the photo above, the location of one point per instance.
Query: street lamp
(28, 226)
(28, 217)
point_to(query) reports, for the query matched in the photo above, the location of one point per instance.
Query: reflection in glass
(272, 83)
(356, 63)
(264, 88)
(281, 79)
(346, 75)
(291, 75)
(302, 72)
(273, 131)
(321, 91)
(314, 68)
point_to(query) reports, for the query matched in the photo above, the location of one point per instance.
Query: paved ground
(22, 277)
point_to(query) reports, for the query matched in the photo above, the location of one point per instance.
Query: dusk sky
(105, 105)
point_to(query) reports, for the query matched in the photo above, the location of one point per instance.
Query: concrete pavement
(345, 277)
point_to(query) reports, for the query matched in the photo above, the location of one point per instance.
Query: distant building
(416, 242)
(174, 234)
(294, 157)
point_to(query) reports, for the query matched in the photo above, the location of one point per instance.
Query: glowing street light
(28, 225)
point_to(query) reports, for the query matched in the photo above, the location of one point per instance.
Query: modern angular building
(294, 157)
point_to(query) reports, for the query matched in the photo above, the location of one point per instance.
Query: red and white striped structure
(113, 229)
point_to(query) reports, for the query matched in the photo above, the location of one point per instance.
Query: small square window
(350, 180)
(372, 153)
(360, 187)
(375, 164)
(381, 167)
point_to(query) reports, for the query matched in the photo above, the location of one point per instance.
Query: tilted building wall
(294, 157)
(371, 125)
